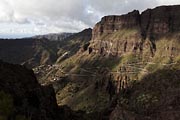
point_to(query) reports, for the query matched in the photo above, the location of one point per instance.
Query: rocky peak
(121, 18)
(152, 22)
(134, 32)
(110, 24)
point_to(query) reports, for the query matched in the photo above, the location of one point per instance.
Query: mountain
(135, 29)
(54, 36)
(33, 52)
(28, 51)
(129, 70)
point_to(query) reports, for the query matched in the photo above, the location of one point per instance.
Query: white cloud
(44, 16)
(168, 2)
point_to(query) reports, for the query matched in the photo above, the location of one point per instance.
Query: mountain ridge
(54, 36)
(33, 52)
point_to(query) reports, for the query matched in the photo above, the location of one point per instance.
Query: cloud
(107, 7)
(168, 2)
(6, 15)
(45, 16)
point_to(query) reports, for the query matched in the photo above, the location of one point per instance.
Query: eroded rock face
(121, 42)
(134, 32)
(160, 20)
(110, 24)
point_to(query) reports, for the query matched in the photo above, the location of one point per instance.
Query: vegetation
(6, 105)
(7, 108)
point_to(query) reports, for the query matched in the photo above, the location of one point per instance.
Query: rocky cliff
(161, 20)
(158, 21)
(134, 32)
(110, 24)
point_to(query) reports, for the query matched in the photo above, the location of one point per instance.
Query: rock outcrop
(134, 32)
(160, 20)
(110, 24)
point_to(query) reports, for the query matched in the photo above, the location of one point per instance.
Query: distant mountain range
(41, 50)
(54, 36)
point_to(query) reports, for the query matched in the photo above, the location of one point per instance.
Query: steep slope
(28, 51)
(128, 59)
(72, 44)
(154, 97)
(34, 52)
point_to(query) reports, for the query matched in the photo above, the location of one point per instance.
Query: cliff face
(110, 24)
(111, 38)
(160, 20)
(134, 32)
(152, 21)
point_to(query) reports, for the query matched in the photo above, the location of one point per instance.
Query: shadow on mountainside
(156, 96)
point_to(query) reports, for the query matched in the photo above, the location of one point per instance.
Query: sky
(24, 18)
